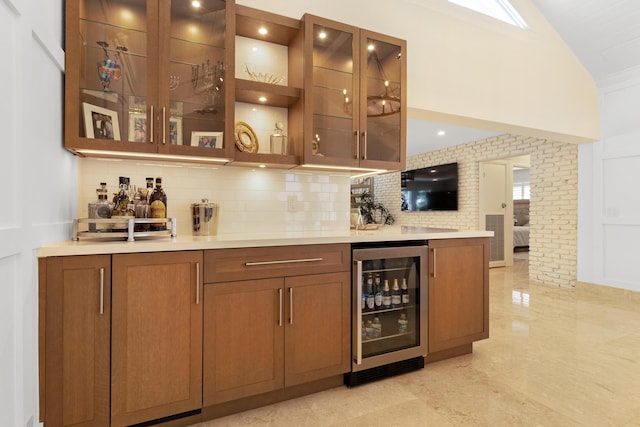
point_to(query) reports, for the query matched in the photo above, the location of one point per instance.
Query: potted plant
(372, 212)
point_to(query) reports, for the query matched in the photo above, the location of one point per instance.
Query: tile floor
(556, 357)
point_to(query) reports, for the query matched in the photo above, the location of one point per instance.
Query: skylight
(498, 9)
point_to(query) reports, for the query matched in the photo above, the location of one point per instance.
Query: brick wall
(553, 209)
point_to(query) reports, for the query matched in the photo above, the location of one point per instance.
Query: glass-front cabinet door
(355, 115)
(193, 85)
(146, 76)
(332, 93)
(383, 113)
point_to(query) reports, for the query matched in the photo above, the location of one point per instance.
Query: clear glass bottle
(377, 327)
(278, 140)
(100, 209)
(403, 324)
(141, 205)
(158, 206)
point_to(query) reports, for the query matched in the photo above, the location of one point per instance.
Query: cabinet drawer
(224, 265)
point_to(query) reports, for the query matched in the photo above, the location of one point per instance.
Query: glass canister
(204, 218)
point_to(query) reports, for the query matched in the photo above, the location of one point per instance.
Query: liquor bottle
(405, 292)
(371, 304)
(141, 205)
(377, 327)
(386, 295)
(100, 209)
(122, 208)
(378, 291)
(403, 324)
(396, 298)
(158, 206)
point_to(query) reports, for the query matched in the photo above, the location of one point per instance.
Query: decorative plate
(246, 139)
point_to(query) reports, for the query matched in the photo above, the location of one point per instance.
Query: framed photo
(206, 139)
(100, 123)
(137, 127)
(175, 130)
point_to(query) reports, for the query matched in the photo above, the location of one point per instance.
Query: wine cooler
(389, 313)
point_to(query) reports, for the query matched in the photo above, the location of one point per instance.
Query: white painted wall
(38, 185)
(609, 202)
(471, 70)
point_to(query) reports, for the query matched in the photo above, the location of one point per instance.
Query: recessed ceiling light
(441, 133)
(263, 31)
(196, 3)
(322, 35)
(371, 47)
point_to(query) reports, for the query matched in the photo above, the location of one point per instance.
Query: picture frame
(137, 127)
(207, 139)
(175, 130)
(100, 123)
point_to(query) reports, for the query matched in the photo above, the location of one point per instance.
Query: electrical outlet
(292, 203)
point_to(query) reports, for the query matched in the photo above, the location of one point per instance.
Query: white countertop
(223, 241)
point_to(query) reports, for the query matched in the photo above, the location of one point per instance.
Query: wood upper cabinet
(148, 77)
(355, 97)
(281, 329)
(75, 321)
(156, 367)
(458, 292)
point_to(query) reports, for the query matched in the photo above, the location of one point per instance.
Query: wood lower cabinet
(269, 333)
(156, 343)
(458, 292)
(75, 321)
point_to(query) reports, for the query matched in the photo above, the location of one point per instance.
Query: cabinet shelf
(387, 310)
(277, 95)
(387, 337)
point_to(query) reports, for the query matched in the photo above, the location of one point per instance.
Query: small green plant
(374, 213)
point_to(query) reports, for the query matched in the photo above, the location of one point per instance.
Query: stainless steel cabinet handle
(151, 119)
(280, 308)
(164, 125)
(102, 291)
(357, 142)
(197, 283)
(291, 306)
(284, 261)
(434, 262)
(359, 318)
(364, 136)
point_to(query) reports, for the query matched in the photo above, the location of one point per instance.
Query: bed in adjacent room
(521, 236)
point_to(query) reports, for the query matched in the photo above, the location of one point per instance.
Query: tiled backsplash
(250, 200)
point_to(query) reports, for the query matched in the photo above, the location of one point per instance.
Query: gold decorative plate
(246, 139)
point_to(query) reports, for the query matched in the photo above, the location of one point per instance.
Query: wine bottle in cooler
(404, 289)
(396, 298)
(378, 291)
(370, 291)
(386, 295)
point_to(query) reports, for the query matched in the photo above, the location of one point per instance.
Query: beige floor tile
(555, 357)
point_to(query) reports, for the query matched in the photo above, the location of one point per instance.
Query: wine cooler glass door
(390, 291)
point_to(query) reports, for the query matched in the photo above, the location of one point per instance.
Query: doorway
(496, 200)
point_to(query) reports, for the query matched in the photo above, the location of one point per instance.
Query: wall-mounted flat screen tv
(433, 188)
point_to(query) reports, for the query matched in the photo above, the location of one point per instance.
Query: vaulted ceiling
(603, 34)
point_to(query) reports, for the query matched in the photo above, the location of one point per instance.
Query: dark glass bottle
(405, 292)
(158, 206)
